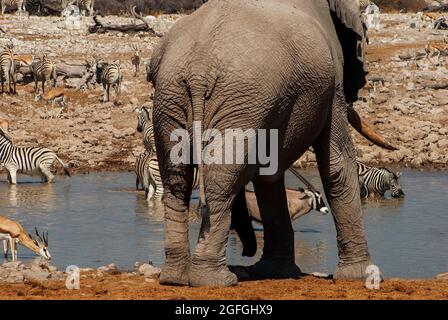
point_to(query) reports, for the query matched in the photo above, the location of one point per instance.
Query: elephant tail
(198, 106)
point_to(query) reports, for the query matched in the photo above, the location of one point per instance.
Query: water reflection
(99, 218)
(25, 195)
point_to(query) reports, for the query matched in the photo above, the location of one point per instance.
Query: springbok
(136, 60)
(53, 96)
(12, 233)
(435, 50)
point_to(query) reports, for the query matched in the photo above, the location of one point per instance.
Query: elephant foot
(276, 269)
(172, 276)
(358, 270)
(212, 278)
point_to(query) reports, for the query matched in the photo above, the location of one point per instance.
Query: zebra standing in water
(378, 181)
(148, 174)
(19, 4)
(109, 75)
(144, 124)
(44, 70)
(7, 68)
(27, 160)
(147, 166)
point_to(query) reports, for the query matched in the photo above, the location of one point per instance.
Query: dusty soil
(102, 136)
(129, 286)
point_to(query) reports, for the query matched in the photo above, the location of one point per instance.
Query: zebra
(27, 160)
(144, 124)
(109, 75)
(378, 180)
(19, 4)
(142, 172)
(44, 69)
(148, 175)
(7, 68)
(86, 5)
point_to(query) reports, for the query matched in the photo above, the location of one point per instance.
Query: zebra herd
(37, 5)
(44, 69)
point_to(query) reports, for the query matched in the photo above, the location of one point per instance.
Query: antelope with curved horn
(12, 233)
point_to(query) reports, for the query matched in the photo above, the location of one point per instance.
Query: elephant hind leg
(208, 264)
(278, 259)
(335, 155)
(176, 200)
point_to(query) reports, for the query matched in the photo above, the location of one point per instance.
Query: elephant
(290, 67)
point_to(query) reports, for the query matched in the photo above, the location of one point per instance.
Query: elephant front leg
(278, 259)
(242, 224)
(335, 154)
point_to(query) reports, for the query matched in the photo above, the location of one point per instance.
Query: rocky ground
(91, 134)
(102, 136)
(39, 281)
(405, 109)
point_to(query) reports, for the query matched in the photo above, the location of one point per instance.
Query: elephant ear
(351, 31)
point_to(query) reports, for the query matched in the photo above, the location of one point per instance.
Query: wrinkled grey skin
(259, 64)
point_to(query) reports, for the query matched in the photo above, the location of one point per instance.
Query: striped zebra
(109, 75)
(27, 160)
(156, 189)
(19, 4)
(144, 124)
(148, 175)
(7, 68)
(378, 181)
(44, 70)
(86, 5)
(142, 172)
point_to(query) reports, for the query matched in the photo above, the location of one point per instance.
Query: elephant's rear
(235, 61)
(231, 52)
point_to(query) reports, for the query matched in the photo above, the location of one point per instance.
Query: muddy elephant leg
(335, 154)
(208, 264)
(277, 260)
(177, 248)
(242, 223)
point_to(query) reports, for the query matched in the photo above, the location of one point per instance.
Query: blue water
(98, 219)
